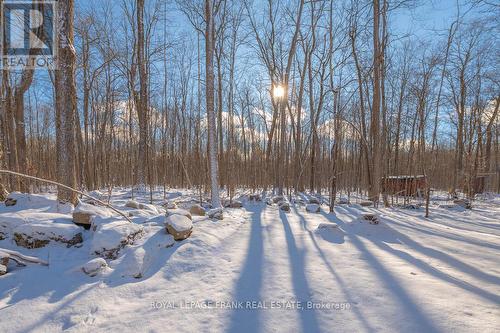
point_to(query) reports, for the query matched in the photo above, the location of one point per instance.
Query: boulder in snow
(370, 217)
(323, 226)
(84, 213)
(314, 201)
(3, 269)
(179, 226)
(278, 198)
(110, 238)
(39, 234)
(149, 207)
(10, 202)
(197, 210)
(132, 204)
(284, 206)
(343, 201)
(216, 213)
(83, 219)
(366, 203)
(313, 208)
(463, 203)
(94, 266)
(179, 211)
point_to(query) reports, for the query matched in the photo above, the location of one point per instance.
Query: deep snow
(247, 272)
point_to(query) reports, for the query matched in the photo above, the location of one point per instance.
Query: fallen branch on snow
(20, 258)
(67, 188)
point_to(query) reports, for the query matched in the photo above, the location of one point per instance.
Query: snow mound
(49, 203)
(110, 238)
(330, 232)
(94, 266)
(39, 234)
(312, 208)
(136, 260)
(216, 213)
(326, 226)
(86, 208)
(8, 222)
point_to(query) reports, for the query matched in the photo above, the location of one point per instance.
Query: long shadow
(440, 256)
(449, 236)
(484, 229)
(420, 319)
(430, 252)
(337, 277)
(248, 287)
(299, 280)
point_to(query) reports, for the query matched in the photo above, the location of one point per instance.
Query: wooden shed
(408, 186)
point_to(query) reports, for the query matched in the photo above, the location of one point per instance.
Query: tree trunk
(65, 91)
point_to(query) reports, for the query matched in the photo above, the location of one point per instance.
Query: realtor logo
(28, 34)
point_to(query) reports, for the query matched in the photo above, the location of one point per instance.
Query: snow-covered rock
(48, 203)
(4, 260)
(110, 237)
(135, 260)
(284, 206)
(94, 266)
(465, 203)
(314, 201)
(343, 201)
(329, 226)
(216, 213)
(179, 226)
(39, 234)
(313, 208)
(149, 207)
(84, 213)
(278, 198)
(10, 202)
(179, 211)
(330, 232)
(370, 217)
(8, 222)
(366, 203)
(132, 204)
(197, 210)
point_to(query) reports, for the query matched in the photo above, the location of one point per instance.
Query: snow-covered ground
(262, 269)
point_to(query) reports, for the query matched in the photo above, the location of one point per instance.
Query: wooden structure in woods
(408, 186)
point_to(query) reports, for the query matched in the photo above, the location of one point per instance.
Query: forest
(249, 166)
(357, 99)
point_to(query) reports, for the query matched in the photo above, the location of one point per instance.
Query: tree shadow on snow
(249, 285)
(412, 311)
(341, 282)
(300, 283)
(355, 235)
